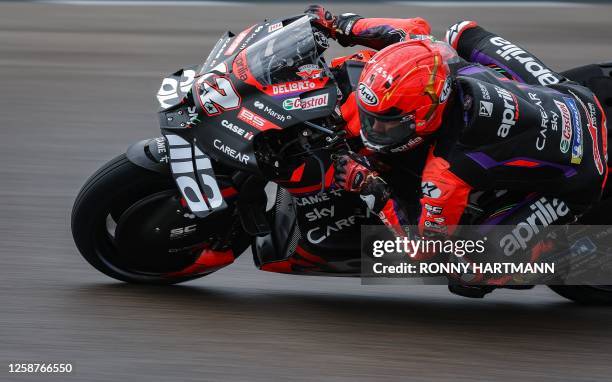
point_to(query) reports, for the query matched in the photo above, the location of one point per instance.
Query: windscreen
(280, 56)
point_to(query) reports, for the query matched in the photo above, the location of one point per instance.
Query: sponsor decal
(237, 41)
(241, 68)
(430, 190)
(510, 114)
(250, 38)
(508, 51)
(381, 71)
(604, 132)
(566, 126)
(541, 139)
(486, 109)
(545, 213)
(320, 213)
(592, 128)
(237, 130)
(271, 112)
(318, 234)
(307, 103)
(293, 87)
(577, 141)
(255, 120)
(275, 27)
(169, 89)
(446, 90)
(318, 198)
(216, 94)
(484, 91)
(454, 31)
(432, 210)
(185, 175)
(320, 39)
(230, 152)
(175, 233)
(307, 72)
(413, 142)
(366, 95)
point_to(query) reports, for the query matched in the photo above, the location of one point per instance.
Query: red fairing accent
(283, 266)
(209, 261)
(444, 197)
(329, 178)
(297, 173)
(522, 163)
(303, 261)
(309, 256)
(229, 192)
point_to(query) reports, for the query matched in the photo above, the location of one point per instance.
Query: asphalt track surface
(77, 85)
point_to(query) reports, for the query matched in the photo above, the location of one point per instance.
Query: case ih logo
(306, 103)
(255, 120)
(367, 95)
(293, 87)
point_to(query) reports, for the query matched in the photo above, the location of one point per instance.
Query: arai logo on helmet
(366, 95)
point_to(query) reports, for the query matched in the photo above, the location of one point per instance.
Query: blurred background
(77, 86)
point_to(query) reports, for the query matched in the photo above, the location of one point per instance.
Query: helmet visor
(386, 130)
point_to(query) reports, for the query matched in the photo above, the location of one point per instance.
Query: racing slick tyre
(128, 222)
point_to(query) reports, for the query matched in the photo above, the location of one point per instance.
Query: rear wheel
(128, 222)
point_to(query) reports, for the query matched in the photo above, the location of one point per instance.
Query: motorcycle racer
(492, 115)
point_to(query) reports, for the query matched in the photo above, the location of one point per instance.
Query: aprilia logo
(510, 113)
(509, 51)
(545, 213)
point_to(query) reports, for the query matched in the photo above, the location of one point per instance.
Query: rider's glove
(337, 27)
(323, 19)
(375, 193)
(350, 174)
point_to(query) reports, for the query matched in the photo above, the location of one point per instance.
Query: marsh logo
(366, 95)
(545, 213)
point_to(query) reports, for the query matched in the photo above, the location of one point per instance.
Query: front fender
(150, 154)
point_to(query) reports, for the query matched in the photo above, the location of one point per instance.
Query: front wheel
(129, 223)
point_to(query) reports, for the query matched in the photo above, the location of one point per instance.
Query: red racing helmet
(402, 94)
